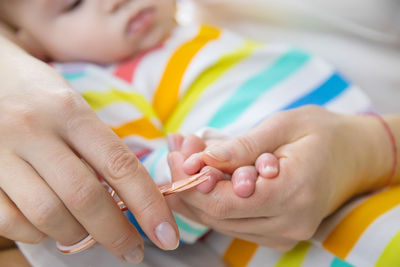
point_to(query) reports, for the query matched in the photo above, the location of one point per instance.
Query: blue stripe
(252, 89)
(73, 76)
(340, 263)
(326, 92)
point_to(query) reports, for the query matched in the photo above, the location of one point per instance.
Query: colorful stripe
(74, 76)
(251, 91)
(188, 228)
(295, 257)
(206, 79)
(346, 234)
(391, 255)
(330, 89)
(240, 253)
(167, 94)
(141, 127)
(99, 100)
(159, 154)
(340, 263)
(126, 70)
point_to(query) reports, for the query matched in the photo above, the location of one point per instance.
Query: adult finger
(37, 202)
(14, 225)
(244, 150)
(86, 199)
(112, 159)
(223, 203)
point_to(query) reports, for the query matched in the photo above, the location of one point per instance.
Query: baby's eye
(74, 5)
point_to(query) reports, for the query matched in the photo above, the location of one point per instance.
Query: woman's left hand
(323, 163)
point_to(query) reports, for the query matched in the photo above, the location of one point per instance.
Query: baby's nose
(113, 5)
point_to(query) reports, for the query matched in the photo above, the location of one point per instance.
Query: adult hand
(324, 158)
(46, 189)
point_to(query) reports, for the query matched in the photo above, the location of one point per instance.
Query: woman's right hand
(46, 189)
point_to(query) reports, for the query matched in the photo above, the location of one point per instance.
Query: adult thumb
(229, 155)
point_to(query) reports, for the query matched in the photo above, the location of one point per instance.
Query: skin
(324, 159)
(243, 178)
(47, 129)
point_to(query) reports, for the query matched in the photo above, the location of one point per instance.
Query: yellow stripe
(206, 79)
(167, 93)
(390, 256)
(295, 257)
(99, 100)
(239, 253)
(346, 234)
(141, 127)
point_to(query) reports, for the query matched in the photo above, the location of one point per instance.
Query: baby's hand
(243, 179)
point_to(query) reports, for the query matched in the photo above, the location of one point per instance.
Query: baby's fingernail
(269, 170)
(171, 142)
(219, 153)
(134, 256)
(167, 236)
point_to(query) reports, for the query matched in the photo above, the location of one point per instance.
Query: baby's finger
(243, 180)
(174, 142)
(192, 144)
(175, 162)
(193, 164)
(267, 165)
(215, 176)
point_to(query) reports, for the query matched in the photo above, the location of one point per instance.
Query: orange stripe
(142, 127)
(346, 234)
(240, 252)
(167, 93)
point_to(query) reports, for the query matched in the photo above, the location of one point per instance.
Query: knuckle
(66, 100)
(19, 116)
(148, 208)
(248, 144)
(85, 197)
(122, 243)
(121, 163)
(46, 212)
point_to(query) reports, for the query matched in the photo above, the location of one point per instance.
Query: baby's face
(95, 30)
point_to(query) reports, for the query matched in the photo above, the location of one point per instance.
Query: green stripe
(340, 263)
(207, 78)
(251, 91)
(185, 226)
(391, 255)
(295, 257)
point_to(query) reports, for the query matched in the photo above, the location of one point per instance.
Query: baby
(171, 79)
(102, 32)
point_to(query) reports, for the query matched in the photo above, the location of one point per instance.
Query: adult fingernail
(167, 236)
(219, 153)
(134, 256)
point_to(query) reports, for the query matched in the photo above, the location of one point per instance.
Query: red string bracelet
(392, 141)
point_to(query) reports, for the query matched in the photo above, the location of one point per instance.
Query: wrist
(375, 153)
